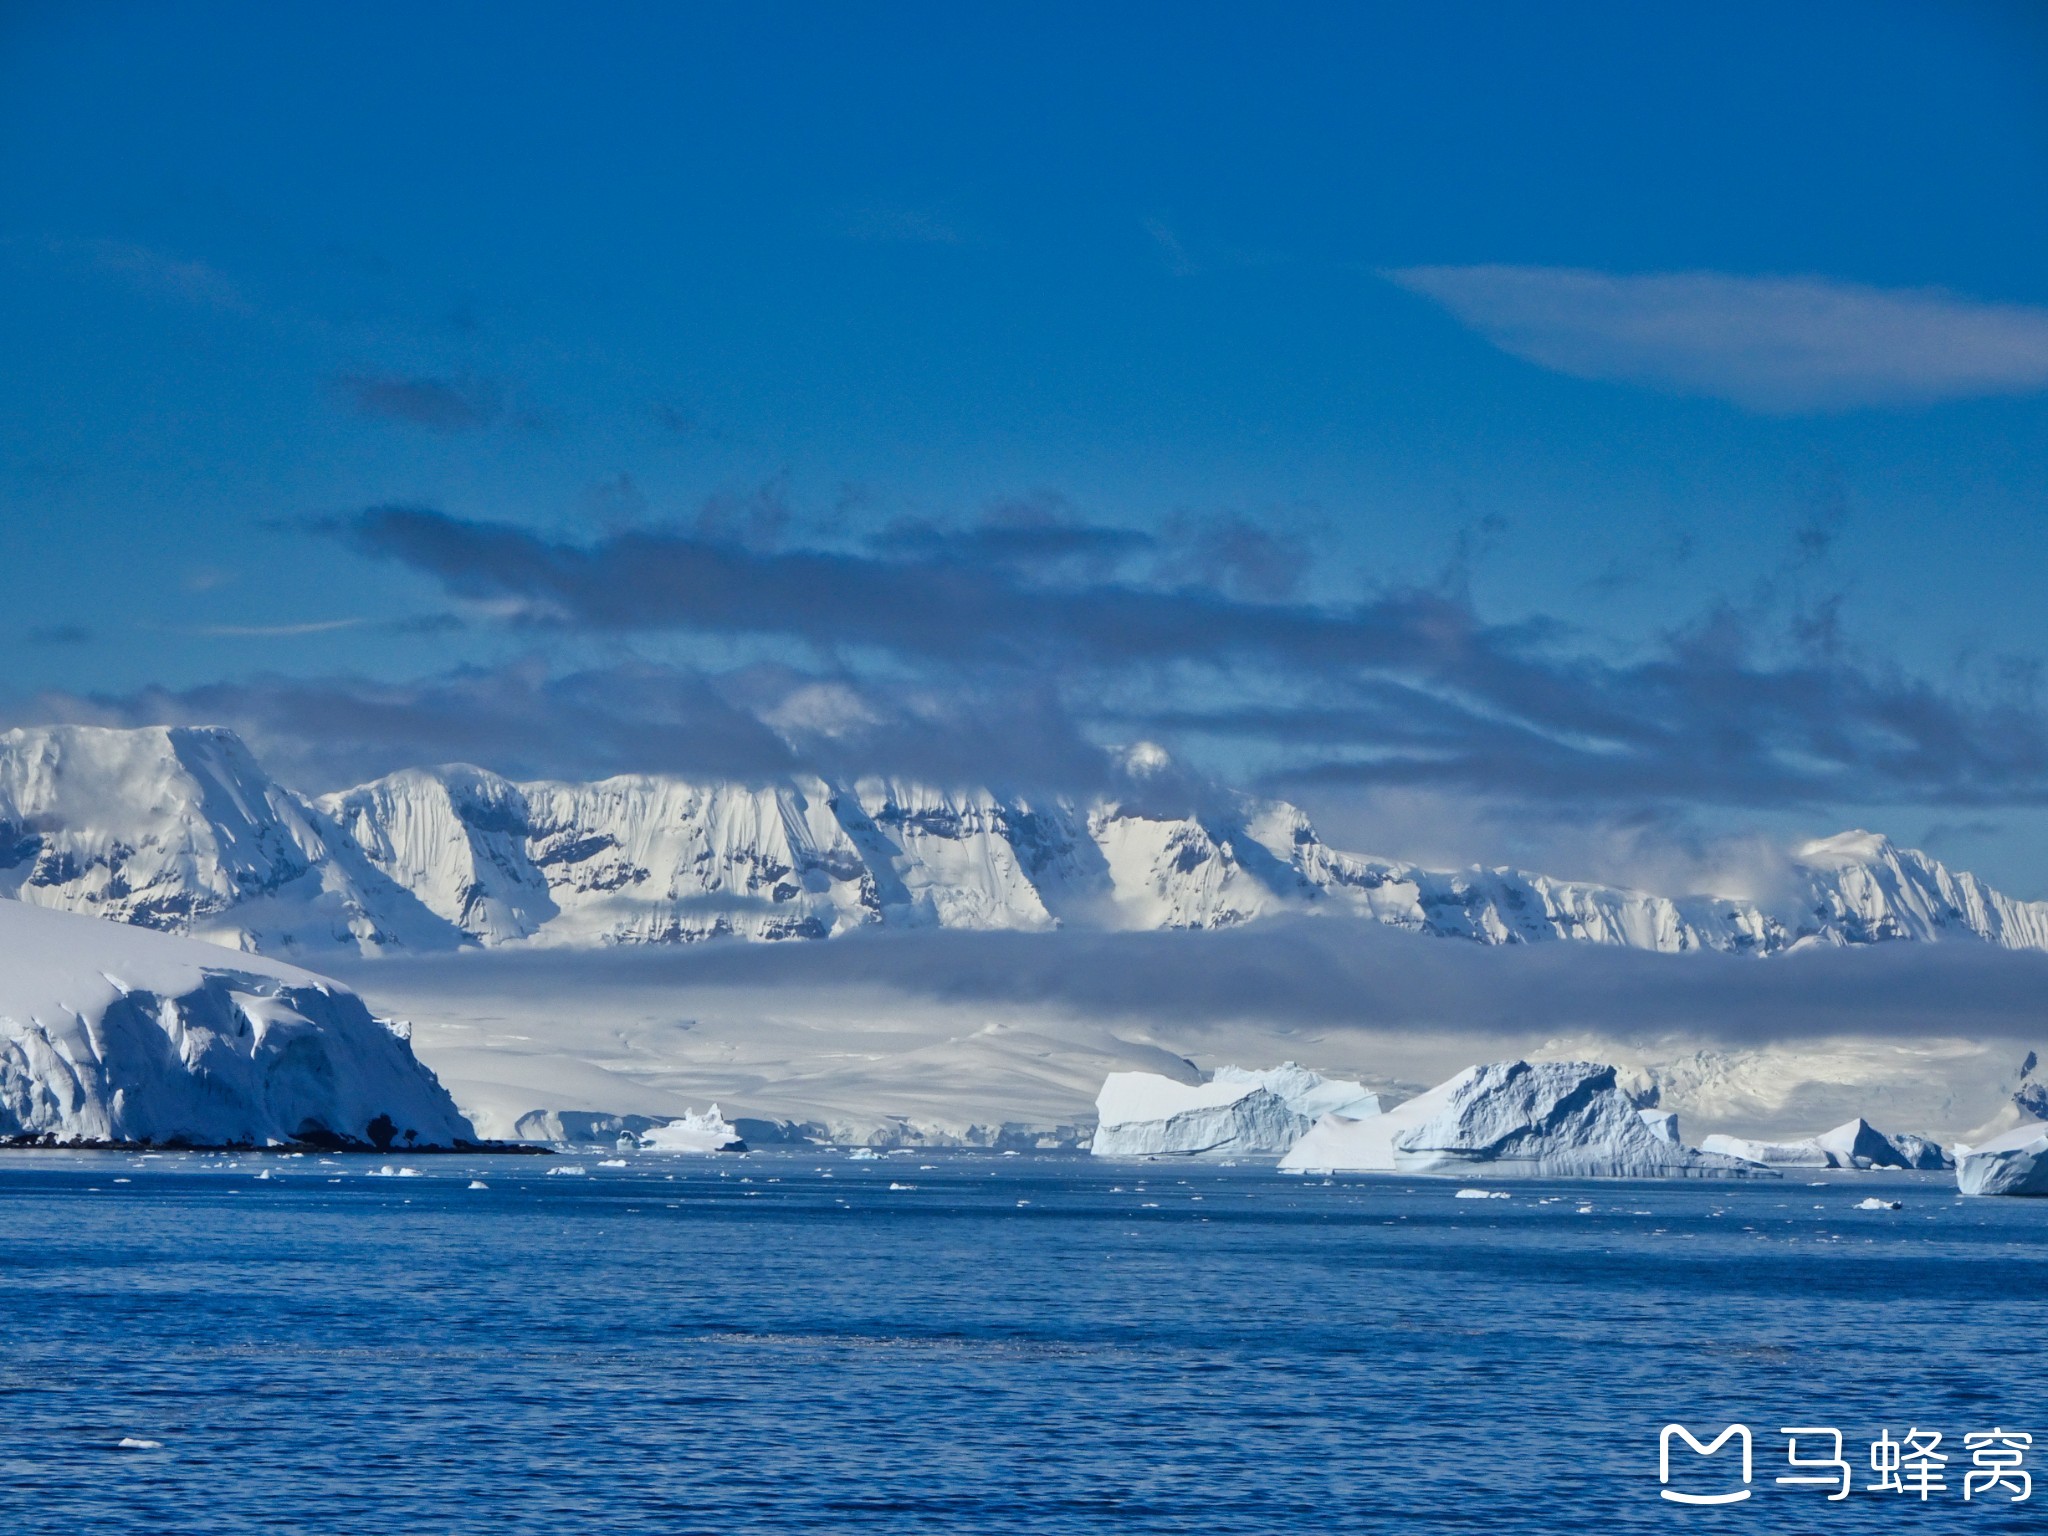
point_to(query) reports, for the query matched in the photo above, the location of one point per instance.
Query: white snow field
(1512, 1119)
(181, 829)
(1145, 1114)
(2015, 1163)
(994, 958)
(707, 1132)
(113, 1034)
(1855, 1144)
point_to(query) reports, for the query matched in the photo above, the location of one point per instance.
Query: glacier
(2014, 1163)
(119, 1035)
(1855, 1144)
(181, 829)
(1145, 1114)
(1558, 1119)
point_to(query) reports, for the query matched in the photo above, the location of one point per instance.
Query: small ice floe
(478, 1184)
(863, 1155)
(265, 1174)
(386, 1172)
(894, 1185)
(137, 1443)
(1875, 1204)
(566, 1168)
(613, 1162)
(408, 1173)
(1482, 1194)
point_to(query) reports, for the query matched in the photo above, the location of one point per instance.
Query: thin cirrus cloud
(1779, 345)
(437, 405)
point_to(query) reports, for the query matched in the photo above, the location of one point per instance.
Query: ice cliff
(2015, 1163)
(1856, 1144)
(1563, 1119)
(181, 829)
(116, 1034)
(1142, 1114)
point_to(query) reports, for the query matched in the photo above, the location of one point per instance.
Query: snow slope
(1856, 1144)
(1560, 1119)
(181, 829)
(117, 1034)
(1143, 1114)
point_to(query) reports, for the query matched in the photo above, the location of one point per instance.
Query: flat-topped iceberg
(110, 1033)
(1557, 1119)
(708, 1132)
(1854, 1144)
(1142, 1114)
(2015, 1163)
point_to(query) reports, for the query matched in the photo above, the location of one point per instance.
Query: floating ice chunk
(571, 1170)
(1141, 1114)
(137, 1443)
(478, 1184)
(613, 1162)
(708, 1132)
(1482, 1194)
(1560, 1119)
(1855, 1144)
(1872, 1203)
(408, 1173)
(265, 1174)
(864, 1155)
(2013, 1164)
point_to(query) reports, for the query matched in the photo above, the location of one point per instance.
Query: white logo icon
(1664, 1463)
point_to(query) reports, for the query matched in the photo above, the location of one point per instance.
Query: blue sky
(1451, 390)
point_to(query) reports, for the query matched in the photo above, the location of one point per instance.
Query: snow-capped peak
(181, 829)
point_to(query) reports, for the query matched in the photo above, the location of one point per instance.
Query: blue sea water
(973, 1343)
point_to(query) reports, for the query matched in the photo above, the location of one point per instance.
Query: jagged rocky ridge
(181, 829)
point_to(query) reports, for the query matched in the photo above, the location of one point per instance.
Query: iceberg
(112, 1033)
(1559, 1119)
(1854, 1144)
(2015, 1163)
(1142, 1114)
(708, 1132)
(1663, 1124)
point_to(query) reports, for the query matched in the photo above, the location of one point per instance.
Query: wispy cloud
(1108, 637)
(1772, 344)
(157, 272)
(438, 405)
(901, 226)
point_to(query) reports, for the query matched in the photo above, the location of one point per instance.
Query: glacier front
(1145, 1114)
(116, 1034)
(1558, 1119)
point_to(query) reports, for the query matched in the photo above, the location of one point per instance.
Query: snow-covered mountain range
(181, 829)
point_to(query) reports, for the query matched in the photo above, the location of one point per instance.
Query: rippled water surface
(956, 1343)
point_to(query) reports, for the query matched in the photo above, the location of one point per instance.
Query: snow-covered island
(1855, 1144)
(114, 1034)
(1558, 1119)
(1143, 1114)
